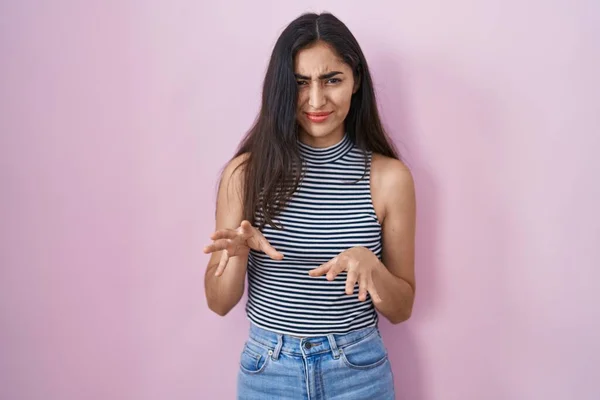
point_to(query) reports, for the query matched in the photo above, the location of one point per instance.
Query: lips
(318, 116)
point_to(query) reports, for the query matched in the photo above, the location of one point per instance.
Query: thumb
(246, 228)
(266, 247)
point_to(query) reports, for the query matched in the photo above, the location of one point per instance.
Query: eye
(302, 83)
(333, 81)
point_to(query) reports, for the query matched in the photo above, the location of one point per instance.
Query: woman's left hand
(360, 263)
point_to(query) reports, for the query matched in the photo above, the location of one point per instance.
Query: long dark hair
(271, 174)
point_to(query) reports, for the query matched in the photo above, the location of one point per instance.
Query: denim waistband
(307, 346)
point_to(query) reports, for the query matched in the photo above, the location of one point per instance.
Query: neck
(324, 155)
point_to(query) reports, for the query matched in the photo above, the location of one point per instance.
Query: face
(325, 87)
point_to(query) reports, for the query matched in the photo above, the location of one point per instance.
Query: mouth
(318, 116)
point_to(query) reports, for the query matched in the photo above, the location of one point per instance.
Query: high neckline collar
(324, 155)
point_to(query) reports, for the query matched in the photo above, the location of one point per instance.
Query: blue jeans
(350, 366)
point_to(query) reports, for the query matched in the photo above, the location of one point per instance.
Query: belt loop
(333, 345)
(277, 350)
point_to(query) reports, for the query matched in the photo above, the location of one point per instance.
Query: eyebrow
(323, 76)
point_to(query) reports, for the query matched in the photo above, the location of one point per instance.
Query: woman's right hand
(238, 242)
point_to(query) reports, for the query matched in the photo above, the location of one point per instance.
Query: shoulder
(393, 182)
(236, 166)
(233, 173)
(390, 172)
(236, 163)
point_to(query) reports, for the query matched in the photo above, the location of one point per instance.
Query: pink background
(116, 117)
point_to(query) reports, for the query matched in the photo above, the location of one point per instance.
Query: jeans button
(307, 345)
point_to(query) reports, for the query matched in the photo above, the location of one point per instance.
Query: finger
(224, 234)
(269, 250)
(217, 245)
(257, 240)
(362, 288)
(340, 266)
(247, 229)
(323, 269)
(373, 291)
(351, 281)
(222, 263)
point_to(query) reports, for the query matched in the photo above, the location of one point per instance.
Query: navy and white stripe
(330, 212)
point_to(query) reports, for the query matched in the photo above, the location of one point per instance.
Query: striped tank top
(331, 211)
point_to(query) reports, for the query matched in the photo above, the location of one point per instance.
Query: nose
(316, 96)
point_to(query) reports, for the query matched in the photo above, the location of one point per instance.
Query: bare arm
(225, 291)
(394, 276)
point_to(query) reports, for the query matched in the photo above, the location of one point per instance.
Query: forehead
(318, 59)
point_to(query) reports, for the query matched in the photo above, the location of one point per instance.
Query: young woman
(319, 212)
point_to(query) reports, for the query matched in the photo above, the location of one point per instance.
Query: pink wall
(115, 118)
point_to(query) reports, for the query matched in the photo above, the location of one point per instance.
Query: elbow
(400, 316)
(219, 308)
(403, 310)
(399, 319)
(219, 311)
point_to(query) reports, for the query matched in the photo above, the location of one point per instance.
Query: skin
(325, 84)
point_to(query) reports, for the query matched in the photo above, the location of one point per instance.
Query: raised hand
(238, 242)
(360, 263)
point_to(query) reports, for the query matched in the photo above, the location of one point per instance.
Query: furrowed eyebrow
(323, 76)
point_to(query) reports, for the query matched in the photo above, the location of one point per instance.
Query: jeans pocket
(367, 353)
(254, 358)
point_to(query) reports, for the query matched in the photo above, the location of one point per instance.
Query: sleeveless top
(331, 211)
